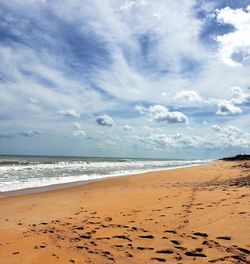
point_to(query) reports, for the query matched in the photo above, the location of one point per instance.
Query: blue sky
(133, 78)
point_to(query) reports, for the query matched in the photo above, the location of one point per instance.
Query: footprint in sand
(159, 259)
(195, 254)
(102, 238)
(180, 247)
(244, 250)
(176, 242)
(145, 248)
(85, 236)
(122, 237)
(170, 231)
(200, 234)
(165, 251)
(108, 219)
(129, 254)
(118, 246)
(148, 236)
(82, 247)
(224, 237)
(41, 246)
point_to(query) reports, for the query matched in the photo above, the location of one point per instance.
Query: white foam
(41, 175)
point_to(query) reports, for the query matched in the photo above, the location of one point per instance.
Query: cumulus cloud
(219, 138)
(227, 130)
(188, 98)
(161, 113)
(178, 140)
(226, 107)
(229, 136)
(70, 113)
(234, 47)
(238, 96)
(127, 127)
(78, 133)
(105, 120)
(161, 140)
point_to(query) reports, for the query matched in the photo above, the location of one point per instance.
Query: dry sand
(191, 215)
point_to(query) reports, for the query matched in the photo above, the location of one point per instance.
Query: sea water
(22, 172)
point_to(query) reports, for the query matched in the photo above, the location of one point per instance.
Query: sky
(125, 78)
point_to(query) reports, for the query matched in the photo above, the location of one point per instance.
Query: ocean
(22, 172)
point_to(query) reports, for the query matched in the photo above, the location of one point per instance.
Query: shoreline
(190, 215)
(59, 186)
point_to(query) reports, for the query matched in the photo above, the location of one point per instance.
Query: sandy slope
(191, 215)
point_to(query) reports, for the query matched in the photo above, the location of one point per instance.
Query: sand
(190, 215)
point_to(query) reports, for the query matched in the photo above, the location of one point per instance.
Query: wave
(13, 162)
(22, 162)
(22, 174)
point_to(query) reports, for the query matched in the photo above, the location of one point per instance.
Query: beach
(199, 214)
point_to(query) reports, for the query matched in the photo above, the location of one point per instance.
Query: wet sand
(191, 215)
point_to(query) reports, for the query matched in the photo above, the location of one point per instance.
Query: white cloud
(144, 55)
(238, 96)
(105, 120)
(127, 4)
(77, 126)
(70, 113)
(33, 100)
(30, 133)
(227, 130)
(161, 113)
(178, 140)
(187, 98)
(221, 137)
(229, 106)
(216, 128)
(127, 127)
(229, 136)
(161, 140)
(226, 107)
(234, 47)
(166, 42)
(78, 133)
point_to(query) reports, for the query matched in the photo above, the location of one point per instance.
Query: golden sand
(190, 215)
